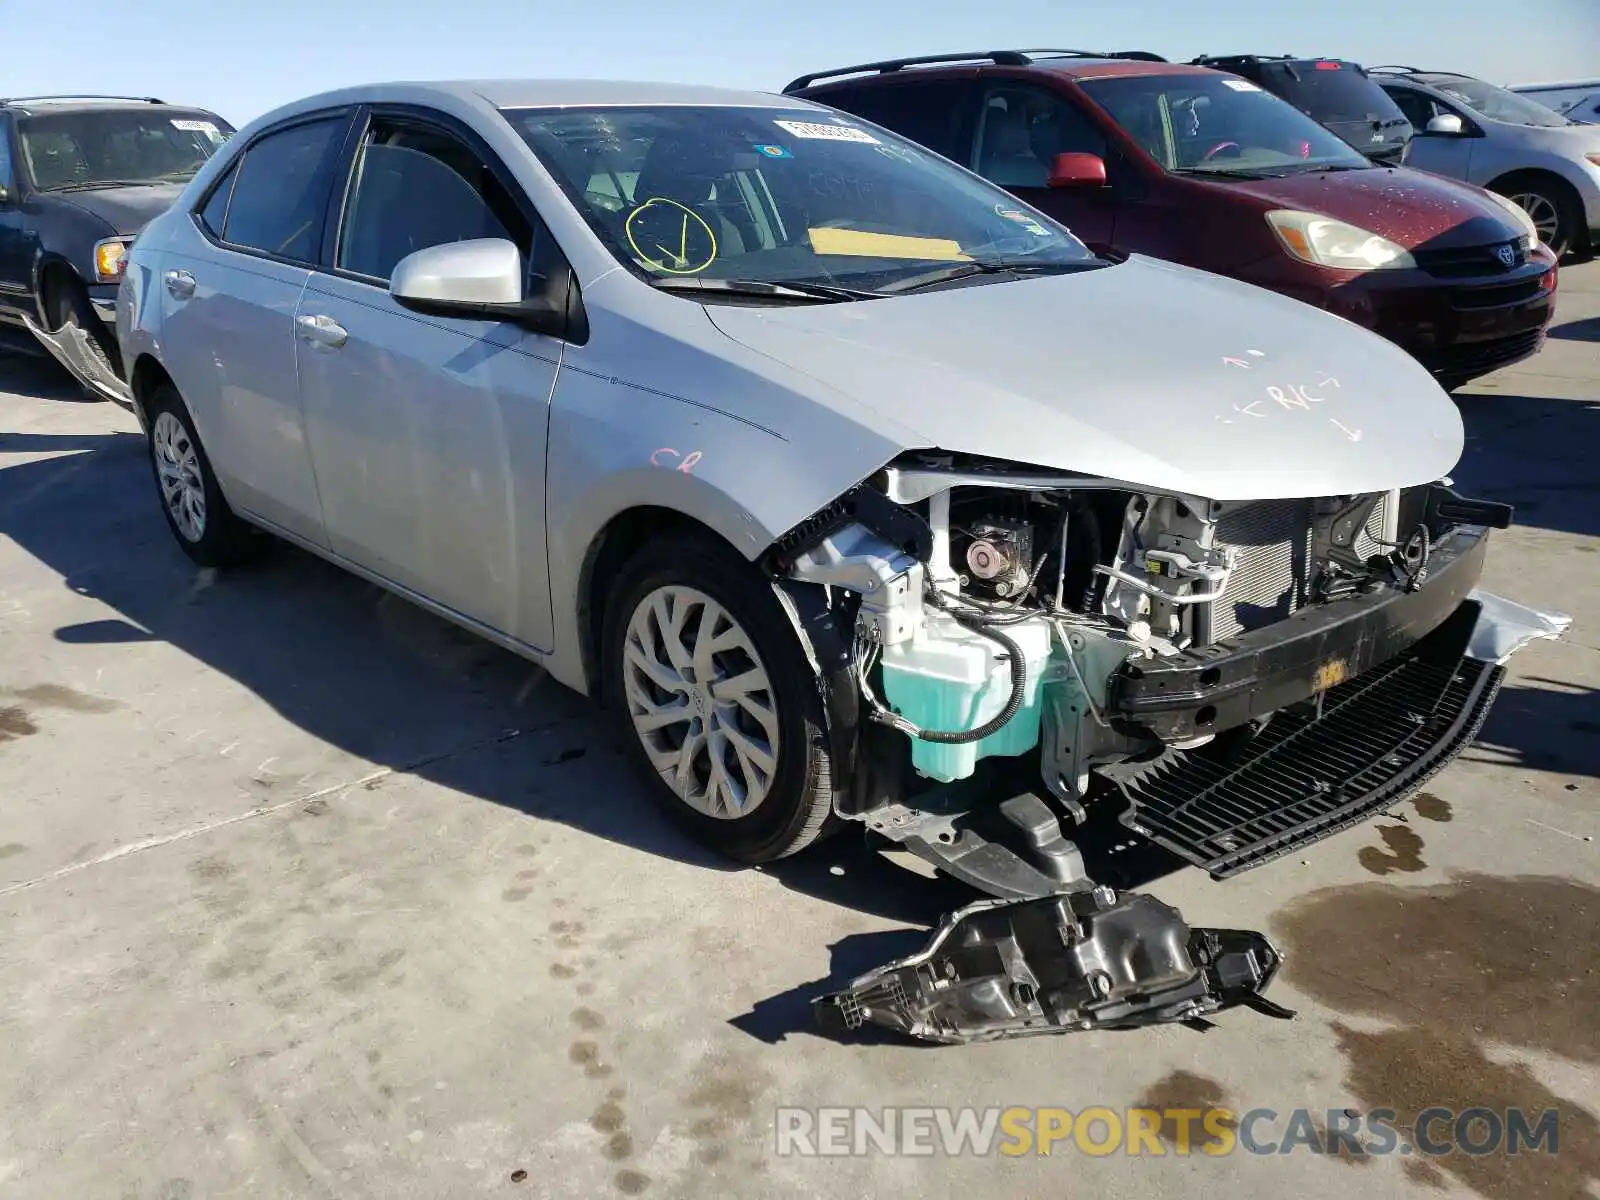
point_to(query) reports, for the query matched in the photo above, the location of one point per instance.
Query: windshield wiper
(766, 289)
(88, 184)
(1233, 172)
(1009, 266)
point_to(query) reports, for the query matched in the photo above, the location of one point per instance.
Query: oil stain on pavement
(1460, 970)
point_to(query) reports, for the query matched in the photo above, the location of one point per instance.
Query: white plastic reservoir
(950, 678)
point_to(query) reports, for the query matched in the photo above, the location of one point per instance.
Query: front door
(1021, 128)
(428, 433)
(228, 314)
(16, 249)
(1448, 154)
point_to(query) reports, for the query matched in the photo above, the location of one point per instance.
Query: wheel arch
(148, 374)
(47, 269)
(622, 537)
(1546, 177)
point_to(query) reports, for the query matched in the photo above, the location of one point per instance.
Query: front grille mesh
(1273, 569)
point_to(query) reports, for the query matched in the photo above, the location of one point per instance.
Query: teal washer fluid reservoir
(950, 678)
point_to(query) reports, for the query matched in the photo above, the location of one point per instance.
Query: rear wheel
(715, 701)
(207, 530)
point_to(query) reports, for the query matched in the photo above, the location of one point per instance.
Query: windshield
(1495, 103)
(1332, 91)
(778, 196)
(104, 147)
(1219, 124)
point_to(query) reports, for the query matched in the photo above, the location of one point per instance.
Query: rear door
(229, 290)
(428, 433)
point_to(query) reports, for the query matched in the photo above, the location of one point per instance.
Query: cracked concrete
(305, 893)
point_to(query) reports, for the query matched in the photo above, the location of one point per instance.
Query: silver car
(1509, 143)
(858, 490)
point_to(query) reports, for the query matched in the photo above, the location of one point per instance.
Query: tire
(206, 529)
(67, 303)
(679, 579)
(1552, 207)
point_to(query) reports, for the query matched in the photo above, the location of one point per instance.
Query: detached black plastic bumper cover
(1059, 964)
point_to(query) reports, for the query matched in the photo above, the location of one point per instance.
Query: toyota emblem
(1507, 255)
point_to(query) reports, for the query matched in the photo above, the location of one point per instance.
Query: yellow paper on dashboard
(885, 245)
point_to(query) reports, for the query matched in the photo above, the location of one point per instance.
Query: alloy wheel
(701, 701)
(178, 469)
(1544, 214)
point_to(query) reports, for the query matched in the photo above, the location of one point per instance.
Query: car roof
(1103, 68)
(42, 105)
(551, 93)
(1074, 66)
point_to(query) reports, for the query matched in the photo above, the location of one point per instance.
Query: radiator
(1273, 568)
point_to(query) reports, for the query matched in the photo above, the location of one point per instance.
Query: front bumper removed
(70, 347)
(1079, 961)
(1058, 954)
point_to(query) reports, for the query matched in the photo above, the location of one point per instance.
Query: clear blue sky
(243, 57)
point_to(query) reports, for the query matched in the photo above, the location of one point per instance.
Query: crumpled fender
(69, 346)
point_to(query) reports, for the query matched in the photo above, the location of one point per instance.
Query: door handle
(180, 284)
(322, 331)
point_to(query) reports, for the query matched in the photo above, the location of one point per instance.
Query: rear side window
(280, 194)
(928, 111)
(216, 208)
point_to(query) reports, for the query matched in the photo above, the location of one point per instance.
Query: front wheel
(67, 306)
(715, 701)
(1552, 211)
(207, 530)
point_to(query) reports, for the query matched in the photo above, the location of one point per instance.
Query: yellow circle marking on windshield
(671, 224)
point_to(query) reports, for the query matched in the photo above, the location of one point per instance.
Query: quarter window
(280, 195)
(926, 111)
(216, 208)
(416, 187)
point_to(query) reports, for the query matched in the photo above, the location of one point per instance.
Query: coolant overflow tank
(949, 678)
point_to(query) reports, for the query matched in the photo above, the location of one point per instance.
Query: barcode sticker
(818, 131)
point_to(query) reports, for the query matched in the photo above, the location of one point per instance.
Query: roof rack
(83, 96)
(1203, 59)
(1000, 58)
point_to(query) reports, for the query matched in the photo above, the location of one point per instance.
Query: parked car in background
(1208, 169)
(79, 177)
(1331, 91)
(1509, 143)
(834, 470)
(1577, 99)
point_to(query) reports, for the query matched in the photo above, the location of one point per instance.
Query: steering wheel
(1218, 149)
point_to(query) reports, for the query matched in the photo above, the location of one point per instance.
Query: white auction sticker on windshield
(827, 133)
(1240, 85)
(194, 126)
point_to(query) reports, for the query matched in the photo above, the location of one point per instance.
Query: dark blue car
(79, 178)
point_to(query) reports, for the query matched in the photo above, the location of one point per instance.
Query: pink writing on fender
(663, 457)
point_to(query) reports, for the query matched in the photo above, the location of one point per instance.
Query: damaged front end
(73, 347)
(1005, 651)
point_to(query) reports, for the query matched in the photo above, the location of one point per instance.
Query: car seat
(1007, 157)
(688, 171)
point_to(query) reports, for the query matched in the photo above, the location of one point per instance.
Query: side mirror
(1447, 125)
(476, 280)
(1076, 170)
(5, 195)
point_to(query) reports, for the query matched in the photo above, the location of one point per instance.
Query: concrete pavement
(305, 893)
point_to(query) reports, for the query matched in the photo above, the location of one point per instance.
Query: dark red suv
(1205, 168)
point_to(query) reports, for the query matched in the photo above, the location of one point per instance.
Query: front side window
(773, 195)
(1419, 110)
(280, 196)
(1496, 103)
(114, 147)
(1219, 125)
(1022, 129)
(417, 187)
